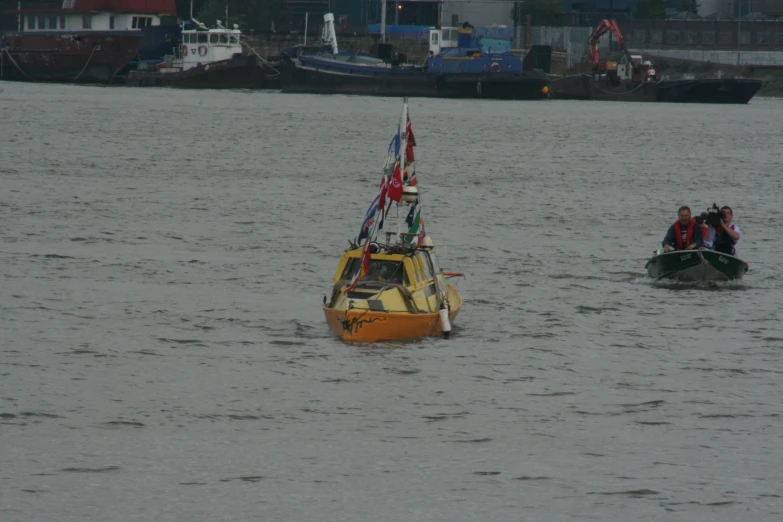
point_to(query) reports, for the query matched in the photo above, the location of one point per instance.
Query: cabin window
(62, 22)
(435, 264)
(234, 40)
(111, 22)
(87, 22)
(52, 22)
(427, 271)
(385, 272)
(41, 22)
(350, 269)
(224, 39)
(213, 38)
(434, 39)
(31, 22)
(202, 37)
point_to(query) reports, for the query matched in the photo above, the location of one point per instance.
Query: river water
(164, 356)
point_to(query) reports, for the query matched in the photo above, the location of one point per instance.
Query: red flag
(365, 268)
(409, 152)
(409, 131)
(384, 191)
(395, 184)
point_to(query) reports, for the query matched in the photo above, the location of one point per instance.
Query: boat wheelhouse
(203, 45)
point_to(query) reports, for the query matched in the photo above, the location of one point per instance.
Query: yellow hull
(371, 326)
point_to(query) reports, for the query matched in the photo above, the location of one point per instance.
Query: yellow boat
(393, 290)
(405, 295)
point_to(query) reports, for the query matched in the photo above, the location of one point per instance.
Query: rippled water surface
(164, 356)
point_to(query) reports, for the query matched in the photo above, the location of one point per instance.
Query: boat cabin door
(435, 38)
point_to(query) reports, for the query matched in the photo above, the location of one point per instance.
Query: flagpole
(403, 146)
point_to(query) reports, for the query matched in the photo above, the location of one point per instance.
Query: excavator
(630, 68)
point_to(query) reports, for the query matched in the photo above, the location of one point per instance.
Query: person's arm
(696, 241)
(668, 240)
(732, 233)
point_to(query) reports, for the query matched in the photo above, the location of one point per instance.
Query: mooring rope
(263, 61)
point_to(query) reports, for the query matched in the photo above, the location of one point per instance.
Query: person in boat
(728, 234)
(706, 230)
(684, 234)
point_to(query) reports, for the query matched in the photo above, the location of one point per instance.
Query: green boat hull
(696, 265)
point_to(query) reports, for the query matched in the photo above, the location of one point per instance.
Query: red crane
(602, 29)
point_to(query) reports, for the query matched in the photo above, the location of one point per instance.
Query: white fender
(444, 321)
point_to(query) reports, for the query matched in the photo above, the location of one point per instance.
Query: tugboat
(393, 290)
(209, 59)
(85, 41)
(458, 66)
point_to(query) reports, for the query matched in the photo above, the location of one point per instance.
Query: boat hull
(88, 57)
(525, 85)
(370, 326)
(696, 266)
(711, 90)
(239, 72)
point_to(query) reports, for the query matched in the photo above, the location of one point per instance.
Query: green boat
(696, 265)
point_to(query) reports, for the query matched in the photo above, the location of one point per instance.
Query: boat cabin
(455, 50)
(409, 281)
(635, 70)
(94, 15)
(203, 45)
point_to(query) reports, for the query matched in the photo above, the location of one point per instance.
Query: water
(163, 354)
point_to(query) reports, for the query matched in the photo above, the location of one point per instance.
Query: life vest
(683, 239)
(723, 238)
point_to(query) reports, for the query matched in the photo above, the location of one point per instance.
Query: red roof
(163, 7)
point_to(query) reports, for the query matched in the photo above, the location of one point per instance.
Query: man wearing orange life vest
(684, 234)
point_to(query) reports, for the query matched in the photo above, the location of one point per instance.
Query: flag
(411, 214)
(413, 226)
(395, 184)
(369, 219)
(384, 188)
(409, 131)
(364, 269)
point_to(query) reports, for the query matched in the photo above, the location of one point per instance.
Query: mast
(403, 146)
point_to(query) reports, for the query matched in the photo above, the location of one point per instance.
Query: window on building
(708, 38)
(691, 37)
(62, 22)
(52, 23)
(724, 38)
(87, 22)
(31, 22)
(762, 38)
(674, 37)
(639, 35)
(656, 37)
(744, 37)
(68, 4)
(41, 22)
(779, 39)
